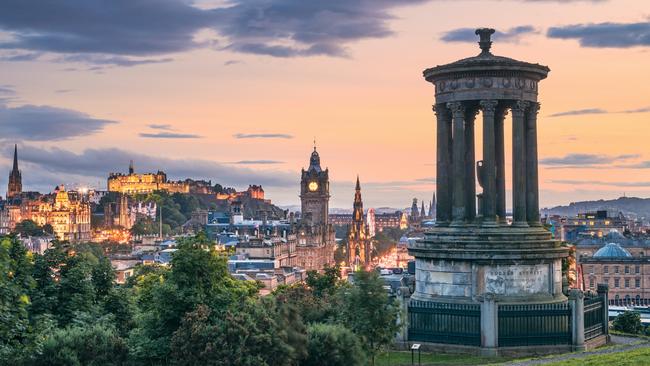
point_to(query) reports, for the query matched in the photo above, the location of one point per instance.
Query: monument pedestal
(514, 264)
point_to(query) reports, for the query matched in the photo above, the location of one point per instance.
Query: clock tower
(315, 192)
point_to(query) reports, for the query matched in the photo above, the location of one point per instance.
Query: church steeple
(15, 157)
(359, 250)
(15, 179)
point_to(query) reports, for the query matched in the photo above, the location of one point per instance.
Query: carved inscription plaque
(516, 279)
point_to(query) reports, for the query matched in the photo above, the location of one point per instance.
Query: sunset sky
(236, 91)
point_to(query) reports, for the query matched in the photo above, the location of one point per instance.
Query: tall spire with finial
(15, 157)
(15, 186)
(131, 168)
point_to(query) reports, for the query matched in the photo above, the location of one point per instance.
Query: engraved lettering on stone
(513, 280)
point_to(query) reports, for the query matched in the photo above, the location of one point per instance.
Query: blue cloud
(45, 123)
(262, 136)
(170, 135)
(143, 28)
(614, 35)
(511, 35)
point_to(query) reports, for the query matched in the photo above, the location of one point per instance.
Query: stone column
(458, 211)
(443, 165)
(576, 298)
(603, 291)
(500, 162)
(470, 165)
(532, 184)
(489, 163)
(489, 325)
(519, 164)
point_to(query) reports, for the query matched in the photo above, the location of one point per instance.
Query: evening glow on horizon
(208, 91)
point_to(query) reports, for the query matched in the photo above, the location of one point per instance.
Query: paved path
(624, 344)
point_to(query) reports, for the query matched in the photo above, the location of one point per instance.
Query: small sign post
(415, 347)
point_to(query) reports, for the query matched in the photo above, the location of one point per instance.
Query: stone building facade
(133, 183)
(315, 235)
(620, 262)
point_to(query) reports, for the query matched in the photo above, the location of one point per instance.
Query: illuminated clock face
(313, 186)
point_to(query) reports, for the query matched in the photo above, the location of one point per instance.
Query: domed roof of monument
(612, 250)
(486, 62)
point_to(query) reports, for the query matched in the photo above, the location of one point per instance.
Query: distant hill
(635, 206)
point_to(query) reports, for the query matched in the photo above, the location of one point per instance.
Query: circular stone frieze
(442, 86)
(469, 83)
(520, 83)
(487, 82)
(454, 84)
(506, 82)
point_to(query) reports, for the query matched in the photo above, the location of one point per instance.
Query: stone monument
(474, 255)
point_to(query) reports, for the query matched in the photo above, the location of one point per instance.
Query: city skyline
(241, 108)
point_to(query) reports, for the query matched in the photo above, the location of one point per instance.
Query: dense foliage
(63, 308)
(628, 322)
(30, 228)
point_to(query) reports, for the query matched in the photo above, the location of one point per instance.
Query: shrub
(333, 345)
(628, 322)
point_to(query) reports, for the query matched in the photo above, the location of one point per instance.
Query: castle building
(316, 240)
(133, 183)
(15, 186)
(359, 247)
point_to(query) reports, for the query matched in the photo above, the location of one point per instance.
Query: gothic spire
(15, 157)
(15, 185)
(358, 187)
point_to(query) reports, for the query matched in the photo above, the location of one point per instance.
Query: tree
(81, 345)
(325, 283)
(16, 283)
(333, 345)
(198, 276)
(628, 322)
(369, 312)
(29, 228)
(254, 334)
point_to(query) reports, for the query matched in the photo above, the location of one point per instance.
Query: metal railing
(593, 315)
(445, 323)
(535, 324)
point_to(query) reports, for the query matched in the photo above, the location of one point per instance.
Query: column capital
(520, 106)
(457, 108)
(489, 105)
(440, 109)
(533, 109)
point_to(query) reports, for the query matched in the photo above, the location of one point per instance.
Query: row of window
(637, 269)
(617, 282)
